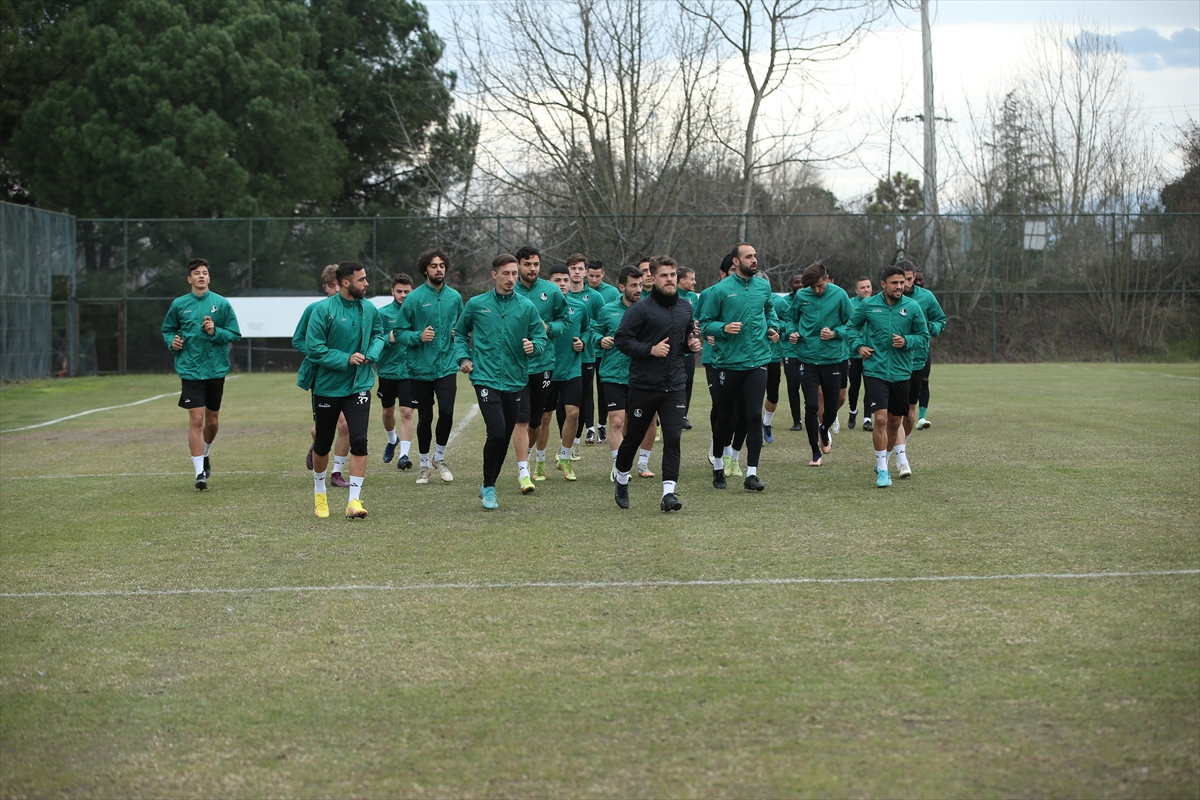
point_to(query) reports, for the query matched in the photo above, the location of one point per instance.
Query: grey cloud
(1151, 51)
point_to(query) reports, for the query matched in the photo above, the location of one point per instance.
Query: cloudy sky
(979, 47)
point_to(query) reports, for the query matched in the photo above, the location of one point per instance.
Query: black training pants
(499, 412)
(689, 363)
(855, 382)
(445, 389)
(587, 412)
(640, 409)
(747, 387)
(822, 378)
(791, 370)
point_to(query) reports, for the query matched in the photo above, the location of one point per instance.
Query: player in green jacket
(935, 317)
(816, 325)
(609, 294)
(552, 308)
(780, 303)
(614, 366)
(304, 378)
(395, 383)
(566, 382)
(498, 335)
(198, 329)
(887, 329)
(344, 338)
(580, 290)
(687, 290)
(862, 290)
(740, 314)
(427, 328)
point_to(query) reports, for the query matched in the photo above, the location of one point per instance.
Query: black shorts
(356, 408)
(878, 393)
(534, 394)
(616, 395)
(392, 390)
(569, 393)
(208, 394)
(919, 377)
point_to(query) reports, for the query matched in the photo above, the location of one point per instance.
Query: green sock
(921, 412)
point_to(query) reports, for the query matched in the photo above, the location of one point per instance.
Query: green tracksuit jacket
(750, 302)
(809, 313)
(614, 366)
(338, 328)
(935, 318)
(551, 306)
(568, 364)
(490, 333)
(874, 322)
(594, 301)
(393, 360)
(203, 357)
(780, 304)
(426, 307)
(608, 292)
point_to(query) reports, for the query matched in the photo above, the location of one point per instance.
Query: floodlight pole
(933, 240)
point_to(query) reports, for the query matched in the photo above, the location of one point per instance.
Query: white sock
(576, 442)
(881, 460)
(767, 417)
(668, 488)
(197, 464)
(318, 482)
(338, 463)
(564, 453)
(522, 469)
(729, 451)
(207, 447)
(643, 457)
(404, 445)
(889, 456)
(392, 437)
(623, 478)
(424, 460)
(901, 455)
(614, 455)
(356, 482)
(541, 455)
(439, 452)
(751, 471)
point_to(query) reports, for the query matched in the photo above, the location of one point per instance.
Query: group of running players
(610, 364)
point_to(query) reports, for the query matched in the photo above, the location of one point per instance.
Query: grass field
(156, 641)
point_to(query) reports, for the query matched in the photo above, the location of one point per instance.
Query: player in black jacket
(656, 333)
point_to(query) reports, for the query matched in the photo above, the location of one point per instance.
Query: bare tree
(776, 43)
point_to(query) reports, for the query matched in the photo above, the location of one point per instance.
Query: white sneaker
(905, 470)
(836, 426)
(922, 424)
(712, 461)
(424, 475)
(443, 471)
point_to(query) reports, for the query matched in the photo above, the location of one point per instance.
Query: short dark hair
(402, 279)
(527, 252)
(628, 274)
(860, 279)
(560, 269)
(683, 272)
(814, 273)
(428, 256)
(595, 263)
(194, 263)
(347, 269)
(889, 271)
(727, 263)
(661, 261)
(575, 258)
(502, 259)
(642, 260)
(906, 265)
(736, 252)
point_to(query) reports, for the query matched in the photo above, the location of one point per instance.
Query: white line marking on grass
(650, 584)
(1166, 375)
(97, 410)
(144, 474)
(462, 424)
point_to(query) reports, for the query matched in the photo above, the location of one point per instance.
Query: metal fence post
(992, 262)
(122, 353)
(1116, 298)
(870, 261)
(250, 285)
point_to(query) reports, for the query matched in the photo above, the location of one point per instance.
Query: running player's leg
(689, 363)
(326, 413)
(638, 422)
(716, 422)
(614, 399)
(898, 408)
(875, 404)
(587, 416)
(791, 371)
(357, 410)
(445, 389)
(601, 408)
(386, 392)
(753, 391)
(810, 386)
(499, 412)
(341, 453)
(914, 395)
(423, 398)
(831, 387)
(671, 408)
(570, 396)
(855, 380)
(774, 373)
(646, 448)
(923, 400)
(404, 400)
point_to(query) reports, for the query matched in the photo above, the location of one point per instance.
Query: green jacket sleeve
(318, 350)
(405, 333)
(536, 332)
(845, 310)
(558, 324)
(300, 336)
(377, 340)
(935, 317)
(170, 326)
(225, 329)
(854, 330)
(918, 337)
(462, 336)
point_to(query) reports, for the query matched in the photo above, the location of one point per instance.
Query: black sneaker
(719, 479)
(389, 452)
(602, 434)
(868, 425)
(687, 426)
(591, 436)
(404, 463)
(201, 482)
(621, 494)
(768, 434)
(753, 484)
(853, 419)
(207, 468)
(670, 502)
(799, 426)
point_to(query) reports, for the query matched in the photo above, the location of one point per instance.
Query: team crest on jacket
(212, 310)
(544, 295)
(904, 312)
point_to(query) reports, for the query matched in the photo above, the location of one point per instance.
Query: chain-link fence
(1016, 287)
(37, 264)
